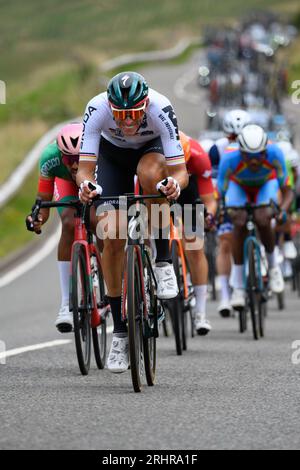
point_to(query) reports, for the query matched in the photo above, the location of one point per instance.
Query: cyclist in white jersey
(130, 130)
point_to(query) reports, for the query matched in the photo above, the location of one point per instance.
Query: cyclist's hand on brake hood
(86, 191)
(170, 188)
(34, 226)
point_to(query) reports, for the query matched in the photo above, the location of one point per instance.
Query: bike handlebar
(40, 204)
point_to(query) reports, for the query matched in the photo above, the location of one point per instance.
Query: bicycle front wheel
(134, 311)
(175, 305)
(149, 325)
(254, 291)
(81, 309)
(99, 333)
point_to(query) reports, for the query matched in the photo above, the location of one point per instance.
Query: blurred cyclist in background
(200, 185)
(255, 173)
(233, 123)
(292, 160)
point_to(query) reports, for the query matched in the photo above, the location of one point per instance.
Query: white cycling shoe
(64, 320)
(202, 325)
(166, 281)
(289, 250)
(224, 308)
(118, 359)
(238, 299)
(276, 280)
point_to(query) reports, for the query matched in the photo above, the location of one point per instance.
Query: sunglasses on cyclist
(134, 113)
(70, 159)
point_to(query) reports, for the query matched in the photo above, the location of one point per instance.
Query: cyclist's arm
(287, 198)
(214, 156)
(93, 122)
(210, 203)
(179, 172)
(223, 176)
(279, 163)
(86, 171)
(169, 134)
(199, 165)
(47, 166)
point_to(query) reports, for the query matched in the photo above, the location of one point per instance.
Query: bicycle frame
(84, 237)
(252, 238)
(174, 236)
(139, 247)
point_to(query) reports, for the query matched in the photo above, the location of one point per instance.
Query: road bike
(182, 307)
(141, 309)
(256, 286)
(88, 301)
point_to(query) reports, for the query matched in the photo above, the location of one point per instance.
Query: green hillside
(50, 56)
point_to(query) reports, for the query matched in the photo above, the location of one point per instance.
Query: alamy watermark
(2, 92)
(2, 353)
(152, 223)
(296, 94)
(296, 353)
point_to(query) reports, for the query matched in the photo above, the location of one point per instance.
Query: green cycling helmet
(127, 90)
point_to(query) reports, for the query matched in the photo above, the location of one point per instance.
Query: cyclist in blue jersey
(234, 121)
(255, 173)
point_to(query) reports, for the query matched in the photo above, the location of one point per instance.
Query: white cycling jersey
(159, 121)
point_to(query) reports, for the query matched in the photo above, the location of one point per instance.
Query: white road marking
(181, 85)
(33, 261)
(34, 347)
(37, 347)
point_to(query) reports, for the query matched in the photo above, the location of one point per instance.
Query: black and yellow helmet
(127, 90)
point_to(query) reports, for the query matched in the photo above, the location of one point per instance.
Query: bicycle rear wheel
(253, 291)
(134, 311)
(99, 333)
(150, 325)
(81, 309)
(210, 250)
(175, 305)
(243, 319)
(280, 301)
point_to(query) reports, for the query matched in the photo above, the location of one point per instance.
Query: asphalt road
(225, 392)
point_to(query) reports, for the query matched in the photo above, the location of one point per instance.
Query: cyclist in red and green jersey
(58, 167)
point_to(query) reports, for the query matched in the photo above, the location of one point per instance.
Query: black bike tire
(280, 301)
(176, 304)
(252, 288)
(149, 343)
(242, 319)
(211, 260)
(83, 357)
(262, 318)
(133, 318)
(100, 341)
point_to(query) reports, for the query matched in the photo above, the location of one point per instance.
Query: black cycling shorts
(116, 167)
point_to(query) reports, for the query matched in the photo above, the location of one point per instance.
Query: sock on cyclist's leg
(201, 296)
(272, 260)
(224, 284)
(238, 276)
(64, 278)
(287, 237)
(120, 329)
